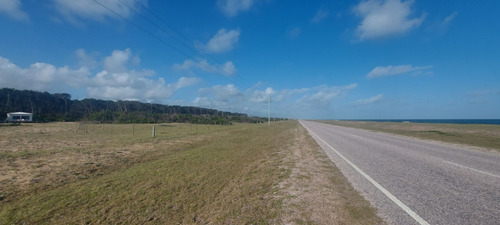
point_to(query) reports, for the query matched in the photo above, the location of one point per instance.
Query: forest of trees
(48, 107)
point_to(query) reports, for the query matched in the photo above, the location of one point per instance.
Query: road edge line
(469, 168)
(393, 198)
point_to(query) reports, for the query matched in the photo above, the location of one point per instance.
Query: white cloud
(450, 18)
(126, 87)
(222, 97)
(222, 41)
(320, 15)
(252, 100)
(13, 9)
(85, 60)
(324, 95)
(384, 18)
(75, 10)
(284, 103)
(232, 7)
(371, 100)
(115, 82)
(116, 62)
(186, 82)
(294, 32)
(441, 27)
(262, 95)
(227, 69)
(41, 76)
(222, 93)
(383, 71)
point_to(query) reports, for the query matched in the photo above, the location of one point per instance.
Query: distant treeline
(48, 107)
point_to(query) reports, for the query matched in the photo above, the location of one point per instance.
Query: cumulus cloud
(321, 14)
(12, 8)
(227, 69)
(74, 11)
(127, 87)
(114, 82)
(252, 100)
(371, 100)
(85, 59)
(223, 97)
(383, 71)
(186, 82)
(222, 41)
(262, 95)
(41, 76)
(232, 7)
(116, 62)
(384, 18)
(117, 81)
(222, 93)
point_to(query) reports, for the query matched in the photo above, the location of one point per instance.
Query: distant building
(19, 117)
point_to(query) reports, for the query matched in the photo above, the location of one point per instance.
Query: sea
(456, 121)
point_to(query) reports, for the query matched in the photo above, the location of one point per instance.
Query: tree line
(47, 107)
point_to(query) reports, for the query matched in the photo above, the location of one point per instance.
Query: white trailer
(19, 117)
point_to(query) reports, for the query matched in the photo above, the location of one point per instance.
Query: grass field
(67, 173)
(484, 136)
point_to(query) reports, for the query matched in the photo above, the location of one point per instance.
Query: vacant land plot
(67, 173)
(484, 136)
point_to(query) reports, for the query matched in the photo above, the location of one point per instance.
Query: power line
(210, 65)
(158, 27)
(145, 31)
(171, 27)
(210, 60)
(201, 63)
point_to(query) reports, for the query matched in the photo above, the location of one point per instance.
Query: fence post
(153, 131)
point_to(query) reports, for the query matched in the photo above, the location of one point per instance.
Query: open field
(60, 173)
(484, 136)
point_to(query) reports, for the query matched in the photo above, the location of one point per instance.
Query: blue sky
(372, 59)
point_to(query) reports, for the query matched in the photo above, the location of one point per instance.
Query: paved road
(413, 181)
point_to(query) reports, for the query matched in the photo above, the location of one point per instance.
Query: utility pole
(268, 110)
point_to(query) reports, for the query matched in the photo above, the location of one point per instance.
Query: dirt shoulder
(316, 192)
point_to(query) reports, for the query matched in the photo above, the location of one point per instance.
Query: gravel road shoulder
(316, 192)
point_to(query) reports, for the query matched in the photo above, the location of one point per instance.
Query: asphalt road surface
(413, 181)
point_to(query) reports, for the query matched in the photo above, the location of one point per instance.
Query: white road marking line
(466, 167)
(376, 184)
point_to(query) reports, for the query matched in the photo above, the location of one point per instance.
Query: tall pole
(268, 110)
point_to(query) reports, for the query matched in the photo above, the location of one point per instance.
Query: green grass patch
(485, 136)
(228, 177)
(434, 132)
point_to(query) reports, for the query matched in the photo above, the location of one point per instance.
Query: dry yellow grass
(316, 192)
(67, 173)
(484, 136)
